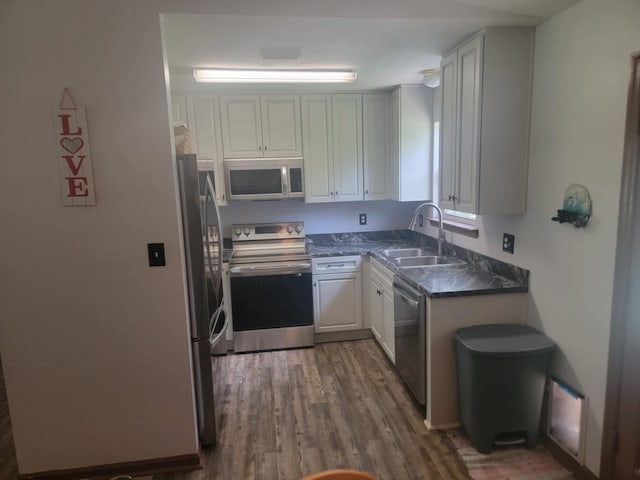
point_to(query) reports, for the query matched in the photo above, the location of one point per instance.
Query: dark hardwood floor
(282, 415)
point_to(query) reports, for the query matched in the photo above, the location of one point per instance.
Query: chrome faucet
(412, 224)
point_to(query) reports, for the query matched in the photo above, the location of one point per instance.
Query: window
(455, 213)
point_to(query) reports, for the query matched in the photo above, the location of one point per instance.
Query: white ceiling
(384, 51)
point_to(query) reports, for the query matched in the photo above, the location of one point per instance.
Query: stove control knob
(298, 228)
(289, 229)
(247, 231)
(238, 232)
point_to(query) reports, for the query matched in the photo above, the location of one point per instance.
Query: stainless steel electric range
(272, 299)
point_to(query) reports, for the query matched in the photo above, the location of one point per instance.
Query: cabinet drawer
(350, 263)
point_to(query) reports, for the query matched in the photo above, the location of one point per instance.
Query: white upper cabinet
(255, 126)
(179, 109)
(281, 128)
(411, 175)
(317, 139)
(486, 104)
(332, 138)
(347, 146)
(204, 123)
(241, 126)
(448, 129)
(376, 114)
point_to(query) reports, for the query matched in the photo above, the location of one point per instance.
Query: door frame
(629, 212)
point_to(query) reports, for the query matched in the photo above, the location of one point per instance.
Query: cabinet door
(416, 143)
(347, 146)
(336, 302)
(376, 305)
(317, 148)
(388, 336)
(204, 119)
(448, 143)
(281, 136)
(394, 175)
(469, 78)
(241, 129)
(179, 110)
(376, 139)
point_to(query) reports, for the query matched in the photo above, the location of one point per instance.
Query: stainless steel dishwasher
(410, 328)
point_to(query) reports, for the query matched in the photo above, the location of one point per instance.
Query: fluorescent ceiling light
(218, 75)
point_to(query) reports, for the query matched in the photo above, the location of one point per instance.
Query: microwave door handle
(285, 183)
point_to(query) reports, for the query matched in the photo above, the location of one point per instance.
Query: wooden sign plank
(74, 154)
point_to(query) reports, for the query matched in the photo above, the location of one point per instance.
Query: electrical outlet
(363, 219)
(508, 241)
(156, 254)
(420, 220)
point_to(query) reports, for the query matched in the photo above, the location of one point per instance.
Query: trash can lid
(499, 340)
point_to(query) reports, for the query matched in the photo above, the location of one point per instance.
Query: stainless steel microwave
(263, 178)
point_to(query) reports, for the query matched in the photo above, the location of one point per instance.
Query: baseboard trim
(567, 461)
(347, 335)
(444, 426)
(134, 469)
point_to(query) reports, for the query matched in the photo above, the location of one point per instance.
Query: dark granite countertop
(479, 275)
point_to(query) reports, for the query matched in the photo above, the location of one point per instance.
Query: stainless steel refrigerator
(203, 255)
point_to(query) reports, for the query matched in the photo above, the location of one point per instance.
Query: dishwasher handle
(407, 300)
(405, 291)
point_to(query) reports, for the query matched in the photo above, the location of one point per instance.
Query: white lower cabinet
(337, 302)
(381, 307)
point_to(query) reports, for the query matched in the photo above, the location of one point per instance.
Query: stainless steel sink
(423, 261)
(406, 252)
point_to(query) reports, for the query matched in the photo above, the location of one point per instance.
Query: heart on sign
(71, 145)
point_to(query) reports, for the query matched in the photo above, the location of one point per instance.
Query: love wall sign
(74, 155)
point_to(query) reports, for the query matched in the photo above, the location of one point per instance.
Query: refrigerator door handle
(210, 192)
(205, 217)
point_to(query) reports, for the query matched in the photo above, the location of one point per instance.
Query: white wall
(581, 74)
(321, 217)
(94, 343)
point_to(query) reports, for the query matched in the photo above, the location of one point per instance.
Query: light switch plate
(156, 254)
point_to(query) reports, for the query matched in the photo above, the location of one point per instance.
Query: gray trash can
(502, 370)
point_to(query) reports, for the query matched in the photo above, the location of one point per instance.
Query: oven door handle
(281, 269)
(285, 183)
